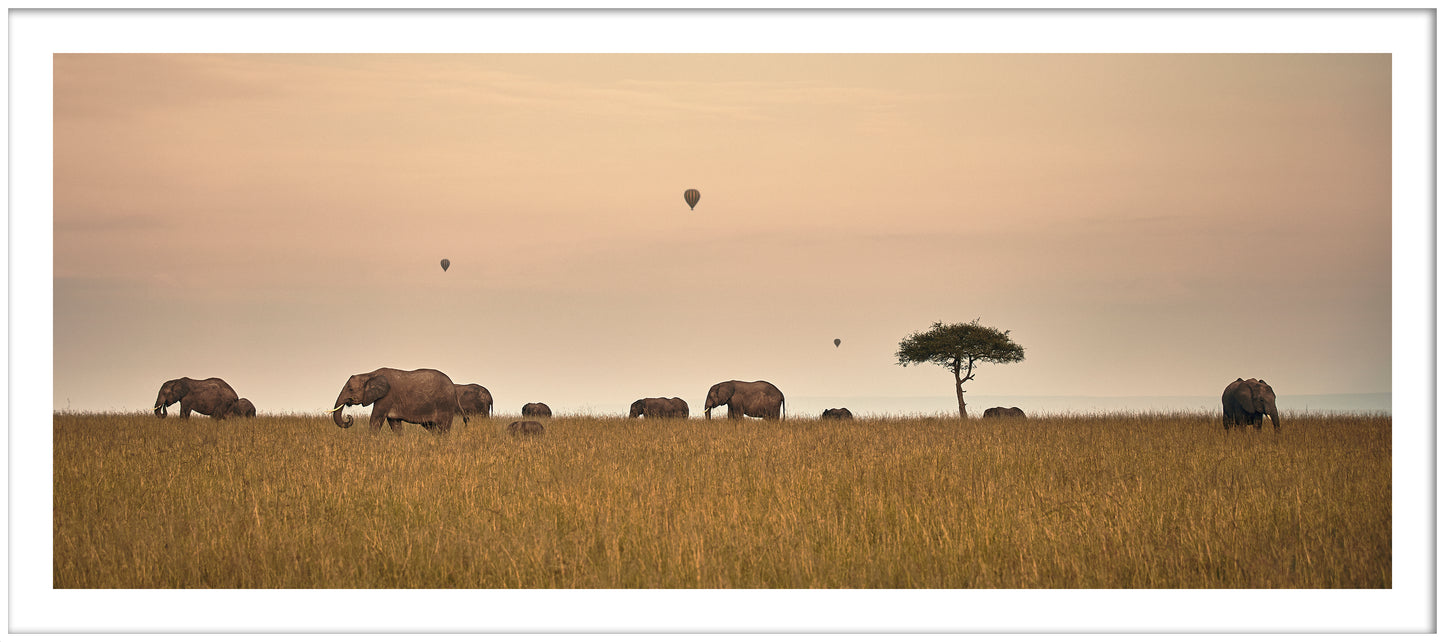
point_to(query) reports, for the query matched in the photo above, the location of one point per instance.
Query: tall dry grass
(1118, 501)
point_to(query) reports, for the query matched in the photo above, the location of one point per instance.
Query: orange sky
(1143, 224)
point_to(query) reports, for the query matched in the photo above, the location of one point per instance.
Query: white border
(34, 607)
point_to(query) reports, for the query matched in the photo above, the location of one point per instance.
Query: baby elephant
(525, 428)
(1000, 413)
(837, 413)
(536, 410)
(244, 408)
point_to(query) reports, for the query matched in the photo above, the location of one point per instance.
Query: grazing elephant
(1001, 412)
(1246, 402)
(838, 413)
(746, 399)
(525, 428)
(473, 400)
(212, 397)
(244, 408)
(427, 397)
(659, 407)
(537, 409)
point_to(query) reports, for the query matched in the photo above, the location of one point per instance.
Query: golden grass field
(1107, 501)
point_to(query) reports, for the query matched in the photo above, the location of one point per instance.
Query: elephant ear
(376, 388)
(1256, 395)
(182, 387)
(1266, 388)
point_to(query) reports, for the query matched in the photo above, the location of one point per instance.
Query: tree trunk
(958, 388)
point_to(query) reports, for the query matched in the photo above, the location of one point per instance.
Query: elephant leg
(395, 425)
(185, 410)
(377, 418)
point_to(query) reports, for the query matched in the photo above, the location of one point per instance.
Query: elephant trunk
(713, 400)
(1274, 417)
(160, 408)
(336, 414)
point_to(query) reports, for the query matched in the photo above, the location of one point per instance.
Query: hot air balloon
(446, 264)
(691, 196)
(837, 342)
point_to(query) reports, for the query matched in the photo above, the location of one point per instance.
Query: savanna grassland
(1109, 501)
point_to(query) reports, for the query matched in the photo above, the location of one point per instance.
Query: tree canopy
(959, 347)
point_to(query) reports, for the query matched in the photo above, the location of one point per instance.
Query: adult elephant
(536, 409)
(473, 399)
(745, 399)
(426, 397)
(212, 397)
(659, 407)
(1000, 412)
(244, 408)
(838, 413)
(1247, 401)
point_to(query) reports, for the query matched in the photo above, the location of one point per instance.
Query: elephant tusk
(336, 408)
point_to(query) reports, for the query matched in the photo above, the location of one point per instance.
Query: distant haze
(1143, 225)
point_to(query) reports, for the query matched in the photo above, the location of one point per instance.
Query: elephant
(474, 400)
(525, 428)
(537, 409)
(838, 413)
(1247, 402)
(659, 407)
(244, 408)
(425, 396)
(1000, 412)
(746, 399)
(212, 397)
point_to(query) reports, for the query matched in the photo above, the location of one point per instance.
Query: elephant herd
(430, 399)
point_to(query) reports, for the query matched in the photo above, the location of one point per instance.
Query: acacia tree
(959, 347)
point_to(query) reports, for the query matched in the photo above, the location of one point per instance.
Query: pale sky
(1142, 224)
